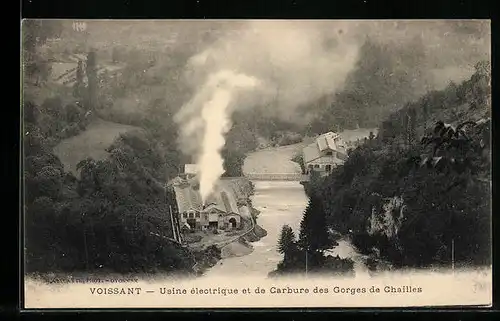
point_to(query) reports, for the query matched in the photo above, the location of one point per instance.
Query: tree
(411, 117)
(445, 206)
(314, 237)
(35, 34)
(79, 86)
(73, 114)
(299, 159)
(480, 86)
(113, 215)
(483, 68)
(53, 107)
(45, 178)
(286, 242)
(91, 80)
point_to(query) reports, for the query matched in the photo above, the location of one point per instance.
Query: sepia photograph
(256, 163)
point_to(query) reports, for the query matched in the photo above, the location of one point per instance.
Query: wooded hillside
(110, 213)
(412, 200)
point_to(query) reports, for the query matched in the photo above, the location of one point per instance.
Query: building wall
(227, 219)
(323, 165)
(203, 219)
(196, 215)
(320, 164)
(220, 222)
(324, 160)
(187, 215)
(213, 217)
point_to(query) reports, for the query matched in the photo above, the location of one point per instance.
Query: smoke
(297, 61)
(302, 61)
(206, 119)
(290, 61)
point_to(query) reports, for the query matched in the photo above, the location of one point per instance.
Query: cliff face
(387, 220)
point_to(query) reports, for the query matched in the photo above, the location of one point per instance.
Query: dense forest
(421, 189)
(112, 216)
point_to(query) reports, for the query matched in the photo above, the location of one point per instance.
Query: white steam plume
(206, 119)
(300, 62)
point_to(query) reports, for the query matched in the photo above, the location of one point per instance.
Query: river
(279, 203)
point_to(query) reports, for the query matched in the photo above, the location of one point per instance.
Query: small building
(223, 209)
(325, 153)
(219, 212)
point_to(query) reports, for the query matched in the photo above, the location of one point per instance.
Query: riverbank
(243, 245)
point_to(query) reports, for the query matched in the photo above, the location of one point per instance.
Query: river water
(279, 203)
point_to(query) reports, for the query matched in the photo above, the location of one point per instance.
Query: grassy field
(92, 142)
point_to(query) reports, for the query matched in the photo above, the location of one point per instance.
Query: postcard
(256, 163)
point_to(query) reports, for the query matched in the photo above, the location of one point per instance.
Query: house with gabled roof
(325, 153)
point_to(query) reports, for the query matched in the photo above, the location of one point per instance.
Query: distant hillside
(93, 143)
(351, 135)
(469, 100)
(111, 216)
(64, 73)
